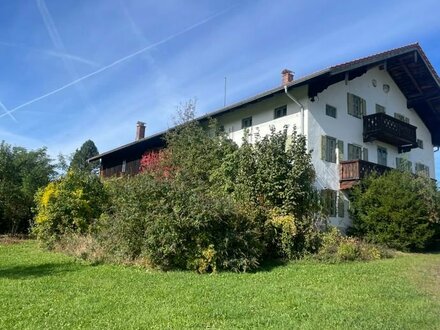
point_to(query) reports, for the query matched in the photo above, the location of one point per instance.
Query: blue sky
(73, 70)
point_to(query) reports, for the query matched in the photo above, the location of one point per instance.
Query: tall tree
(22, 173)
(79, 160)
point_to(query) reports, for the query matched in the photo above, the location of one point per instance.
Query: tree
(396, 209)
(22, 173)
(79, 159)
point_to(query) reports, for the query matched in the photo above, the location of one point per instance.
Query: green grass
(42, 290)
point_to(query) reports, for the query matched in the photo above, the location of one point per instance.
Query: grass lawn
(42, 290)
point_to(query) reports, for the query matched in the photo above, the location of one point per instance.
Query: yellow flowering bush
(70, 204)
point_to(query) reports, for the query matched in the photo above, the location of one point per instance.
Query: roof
(407, 65)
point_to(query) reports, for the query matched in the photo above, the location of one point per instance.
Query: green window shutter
(380, 108)
(365, 154)
(341, 149)
(323, 147)
(331, 157)
(409, 166)
(350, 104)
(364, 107)
(398, 163)
(418, 168)
(350, 151)
(341, 207)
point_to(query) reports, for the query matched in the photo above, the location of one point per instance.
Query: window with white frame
(246, 122)
(280, 112)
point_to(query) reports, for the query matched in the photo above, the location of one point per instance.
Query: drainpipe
(290, 96)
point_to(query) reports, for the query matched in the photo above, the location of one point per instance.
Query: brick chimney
(140, 130)
(287, 77)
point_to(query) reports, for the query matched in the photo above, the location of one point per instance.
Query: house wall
(263, 116)
(349, 129)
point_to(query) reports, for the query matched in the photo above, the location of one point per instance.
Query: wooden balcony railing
(351, 171)
(382, 127)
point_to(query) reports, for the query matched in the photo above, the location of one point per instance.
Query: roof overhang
(408, 66)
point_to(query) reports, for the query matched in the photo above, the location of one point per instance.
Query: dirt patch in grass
(8, 240)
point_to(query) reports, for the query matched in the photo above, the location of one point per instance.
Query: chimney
(140, 130)
(287, 77)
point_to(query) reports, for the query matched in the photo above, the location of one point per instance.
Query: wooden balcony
(382, 127)
(351, 171)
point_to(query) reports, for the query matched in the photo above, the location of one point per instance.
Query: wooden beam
(411, 102)
(405, 68)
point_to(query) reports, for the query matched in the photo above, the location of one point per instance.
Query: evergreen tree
(79, 159)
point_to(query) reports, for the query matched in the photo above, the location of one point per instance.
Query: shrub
(275, 175)
(69, 205)
(335, 247)
(396, 209)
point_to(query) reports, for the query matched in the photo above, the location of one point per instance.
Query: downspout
(290, 96)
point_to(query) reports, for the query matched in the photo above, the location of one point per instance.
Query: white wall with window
(258, 118)
(360, 96)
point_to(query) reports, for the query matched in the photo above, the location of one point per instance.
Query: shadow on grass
(270, 264)
(36, 271)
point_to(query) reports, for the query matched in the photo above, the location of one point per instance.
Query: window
(365, 154)
(403, 164)
(124, 166)
(328, 149)
(382, 154)
(422, 169)
(330, 111)
(420, 143)
(357, 152)
(341, 206)
(280, 112)
(401, 117)
(356, 105)
(328, 198)
(246, 122)
(380, 108)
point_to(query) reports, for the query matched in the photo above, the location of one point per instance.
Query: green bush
(396, 209)
(69, 205)
(335, 247)
(201, 204)
(276, 177)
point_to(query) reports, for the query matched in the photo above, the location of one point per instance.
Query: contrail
(51, 52)
(59, 45)
(7, 112)
(123, 59)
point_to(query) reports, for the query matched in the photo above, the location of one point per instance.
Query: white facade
(345, 127)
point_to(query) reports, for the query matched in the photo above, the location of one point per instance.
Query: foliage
(335, 247)
(203, 203)
(68, 205)
(39, 290)
(22, 173)
(80, 156)
(396, 209)
(177, 220)
(275, 177)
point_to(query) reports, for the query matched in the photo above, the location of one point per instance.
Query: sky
(72, 70)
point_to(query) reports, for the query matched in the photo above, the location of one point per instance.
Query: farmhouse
(373, 113)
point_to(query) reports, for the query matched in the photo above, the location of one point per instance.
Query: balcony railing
(382, 127)
(351, 171)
